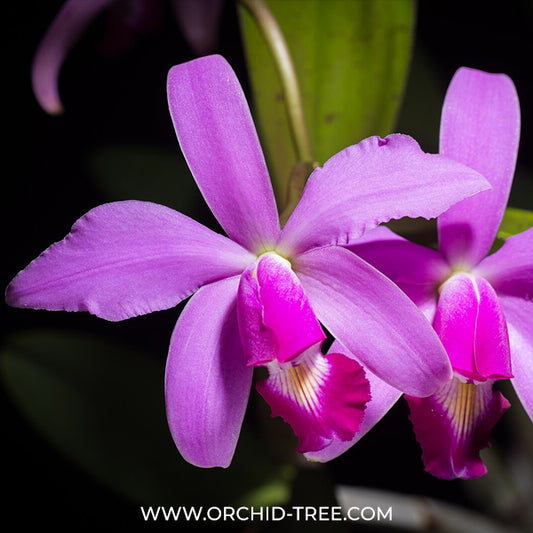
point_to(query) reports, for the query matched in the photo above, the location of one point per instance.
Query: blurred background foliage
(85, 439)
(351, 61)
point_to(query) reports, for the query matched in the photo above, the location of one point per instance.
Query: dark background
(110, 97)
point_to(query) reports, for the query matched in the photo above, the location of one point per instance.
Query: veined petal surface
(207, 382)
(219, 141)
(417, 270)
(276, 321)
(519, 313)
(480, 127)
(322, 397)
(471, 325)
(125, 259)
(510, 269)
(374, 320)
(383, 397)
(71, 21)
(372, 182)
(454, 424)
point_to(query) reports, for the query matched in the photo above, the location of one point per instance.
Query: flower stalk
(281, 56)
(299, 174)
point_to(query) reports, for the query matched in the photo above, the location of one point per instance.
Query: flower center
(453, 272)
(273, 255)
(321, 397)
(276, 321)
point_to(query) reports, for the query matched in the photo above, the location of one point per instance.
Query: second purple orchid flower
(258, 296)
(480, 306)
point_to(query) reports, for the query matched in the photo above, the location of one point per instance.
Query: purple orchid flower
(198, 21)
(258, 296)
(480, 306)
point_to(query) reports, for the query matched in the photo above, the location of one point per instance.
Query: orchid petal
(199, 22)
(207, 383)
(480, 127)
(125, 259)
(70, 22)
(321, 397)
(219, 141)
(454, 424)
(374, 319)
(373, 182)
(383, 397)
(417, 270)
(472, 328)
(518, 313)
(510, 269)
(275, 318)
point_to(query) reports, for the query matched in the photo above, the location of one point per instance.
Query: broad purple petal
(374, 320)
(218, 138)
(125, 259)
(453, 425)
(207, 383)
(383, 397)
(417, 270)
(199, 20)
(321, 397)
(373, 182)
(480, 127)
(472, 328)
(510, 269)
(519, 313)
(73, 18)
(276, 321)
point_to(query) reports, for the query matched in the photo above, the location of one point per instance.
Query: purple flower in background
(198, 21)
(258, 296)
(480, 306)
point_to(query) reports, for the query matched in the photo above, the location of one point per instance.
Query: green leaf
(101, 404)
(139, 172)
(351, 59)
(515, 221)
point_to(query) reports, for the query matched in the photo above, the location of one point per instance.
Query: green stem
(297, 179)
(282, 59)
